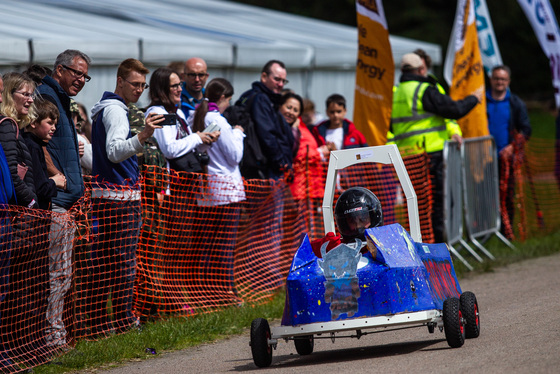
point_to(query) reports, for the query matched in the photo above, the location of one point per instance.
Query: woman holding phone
(175, 139)
(221, 201)
(178, 144)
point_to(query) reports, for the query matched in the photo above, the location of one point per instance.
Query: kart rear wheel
(469, 308)
(304, 344)
(261, 350)
(453, 322)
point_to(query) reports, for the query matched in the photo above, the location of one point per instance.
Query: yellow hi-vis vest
(413, 127)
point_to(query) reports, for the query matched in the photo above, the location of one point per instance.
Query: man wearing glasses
(275, 135)
(195, 75)
(116, 197)
(508, 123)
(68, 78)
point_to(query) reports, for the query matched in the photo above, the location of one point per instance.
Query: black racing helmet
(357, 209)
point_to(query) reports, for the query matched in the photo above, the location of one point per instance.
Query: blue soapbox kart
(399, 282)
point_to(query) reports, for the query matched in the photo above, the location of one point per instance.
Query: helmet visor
(355, 222)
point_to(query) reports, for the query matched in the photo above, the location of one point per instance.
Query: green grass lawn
(168, 335)
(542, 123)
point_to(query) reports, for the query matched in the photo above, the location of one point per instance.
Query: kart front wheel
(261, 350)
(304, 344)
(453, 322)
(469, 308)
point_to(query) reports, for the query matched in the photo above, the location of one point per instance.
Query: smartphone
(169, 120)
(212, 127)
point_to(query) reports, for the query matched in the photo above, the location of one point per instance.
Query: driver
(356, 210)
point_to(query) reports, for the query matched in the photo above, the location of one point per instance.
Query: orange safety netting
(35, 277)
(537, 199)
(96, 269)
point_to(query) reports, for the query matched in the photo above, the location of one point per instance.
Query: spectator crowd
(49, 146)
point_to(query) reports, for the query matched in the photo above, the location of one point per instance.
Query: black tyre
(469, 308)
(261, 350)
(304, 344)
(453, 322)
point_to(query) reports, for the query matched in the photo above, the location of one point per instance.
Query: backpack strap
(14, 124)
(247, 101)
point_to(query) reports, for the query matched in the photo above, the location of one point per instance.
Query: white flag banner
(450, 55)
(542, 18)
(486, 38)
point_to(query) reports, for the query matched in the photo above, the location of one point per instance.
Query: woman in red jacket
(308, 186)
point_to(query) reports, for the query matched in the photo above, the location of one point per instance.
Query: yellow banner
(373, 100)
(468, 70)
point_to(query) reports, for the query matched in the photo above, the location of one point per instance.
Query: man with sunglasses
(68, 77)
(275, 135)
(195, 75)
(116, 197)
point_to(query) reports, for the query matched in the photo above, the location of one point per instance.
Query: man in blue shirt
(508, 122)
(195, 75)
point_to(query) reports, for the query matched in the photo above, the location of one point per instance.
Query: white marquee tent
(234, 39)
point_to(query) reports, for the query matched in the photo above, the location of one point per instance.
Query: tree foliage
(432, 20)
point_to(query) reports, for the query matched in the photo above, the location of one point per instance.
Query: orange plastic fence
(381, 180)
(35, 276)
(93, 271)
(537, 200)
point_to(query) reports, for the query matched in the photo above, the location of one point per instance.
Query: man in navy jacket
(68, 78)
(275, 135)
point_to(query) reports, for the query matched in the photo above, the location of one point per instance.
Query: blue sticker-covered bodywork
(405, 276)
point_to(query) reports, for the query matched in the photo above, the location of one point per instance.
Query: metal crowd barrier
(453, 201)
(481, 191)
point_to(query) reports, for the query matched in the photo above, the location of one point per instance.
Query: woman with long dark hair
(224, 178)
(176, 141)
(221, 199)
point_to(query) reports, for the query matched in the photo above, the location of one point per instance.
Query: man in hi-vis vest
(419, 125)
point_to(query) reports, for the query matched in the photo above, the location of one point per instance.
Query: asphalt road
(520, 333)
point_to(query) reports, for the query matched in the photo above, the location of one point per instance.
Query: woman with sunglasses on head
(176, 140)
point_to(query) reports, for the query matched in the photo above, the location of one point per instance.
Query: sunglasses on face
(197, 75)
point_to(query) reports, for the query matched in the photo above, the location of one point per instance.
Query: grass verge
(167, 335)
(180, 333)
